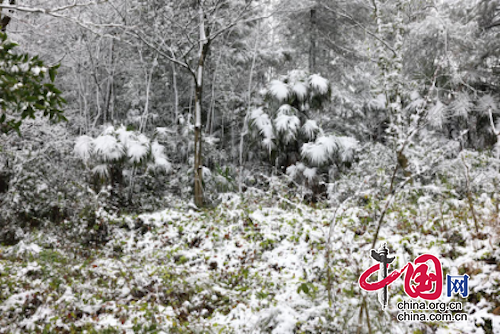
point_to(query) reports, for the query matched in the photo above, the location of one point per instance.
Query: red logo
(420, 281)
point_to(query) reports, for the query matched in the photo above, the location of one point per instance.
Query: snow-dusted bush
(119, 159)
(329, 150)
(41, 183)
(121, 145)
(290, 138)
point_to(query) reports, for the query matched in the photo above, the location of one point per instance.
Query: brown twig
(360, 319)
(368, 319)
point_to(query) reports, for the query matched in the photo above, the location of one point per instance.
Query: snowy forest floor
(257, 263)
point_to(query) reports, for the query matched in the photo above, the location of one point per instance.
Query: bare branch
(150, 44)
(239, 19)
(349, 17)
(49, 11)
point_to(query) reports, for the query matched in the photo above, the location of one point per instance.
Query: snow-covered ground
(258, 263)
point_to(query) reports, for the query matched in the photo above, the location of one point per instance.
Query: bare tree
(192, 27)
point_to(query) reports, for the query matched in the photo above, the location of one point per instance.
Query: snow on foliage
(23, 248)
(84, 147)
(326, 148)
(137, 150)
(298, 82)
(300, 90)
(252, 265)
(159, 157)
(206, 173)
(487, 103)
(436, 115)
(136, 144)
(108, 147)
(279, 90)
(330, 144)
(462, 105)
(319, 83)
(292, 171)
(101, 170)
(288, 126)
(417, 103)
(378, 103)
(320, 152)
(295, 170)
(123, 135)
(261, 121)
(310, 173)
(297, 76)
(287, 110)
(114, 145)
(414, 95)
(310, 128)
(348, 146)
(287, 122)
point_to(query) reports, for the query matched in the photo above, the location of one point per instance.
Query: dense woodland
(225, 166)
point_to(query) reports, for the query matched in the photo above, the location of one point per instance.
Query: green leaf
(52, 73)
(31, 96)
(303, 287)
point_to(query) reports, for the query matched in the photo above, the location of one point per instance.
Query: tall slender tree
(188, 45)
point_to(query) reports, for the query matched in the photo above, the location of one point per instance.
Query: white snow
(101, 170)
(262, 122)
(288, 125)
(320, 151)
(300, 90)
(310, 128)
(279, 90)
(319, 83)
(108, 147)
(84, 147)
(160, 159)
(310, 173)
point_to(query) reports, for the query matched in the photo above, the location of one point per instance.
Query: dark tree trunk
(313, 42)
(5, 19)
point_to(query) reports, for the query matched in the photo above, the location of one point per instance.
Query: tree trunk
(211, 111)
(204, 44)
(312, 46)
(176, 93)
(244, 130)
(198, 176)
(110, 81)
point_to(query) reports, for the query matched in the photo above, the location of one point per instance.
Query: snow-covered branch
(49, 11)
